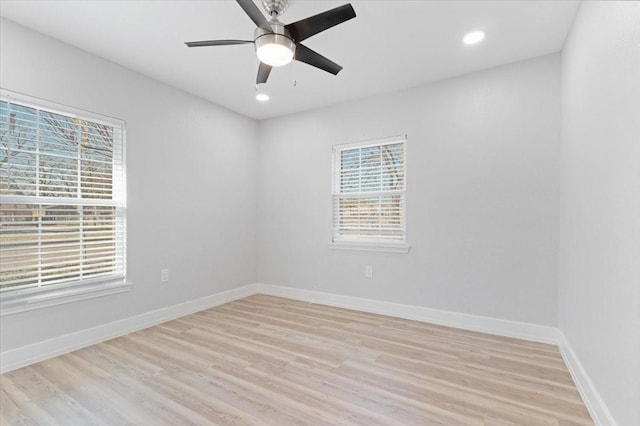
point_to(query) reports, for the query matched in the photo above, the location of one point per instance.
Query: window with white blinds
(62, 198)
(369, 192)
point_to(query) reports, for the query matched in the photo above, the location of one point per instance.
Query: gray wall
(191, 170)
(599, 280)
(482, 195)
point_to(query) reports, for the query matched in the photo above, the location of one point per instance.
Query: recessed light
(473, 37)
(262, 97)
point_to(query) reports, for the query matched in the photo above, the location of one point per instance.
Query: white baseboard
(30, 354)
(519, 330)
(590, 395)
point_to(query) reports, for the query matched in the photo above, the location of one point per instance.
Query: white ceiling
(390, 45)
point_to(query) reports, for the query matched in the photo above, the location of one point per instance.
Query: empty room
(300, 212)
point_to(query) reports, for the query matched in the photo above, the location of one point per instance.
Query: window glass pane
(370, 180)
(370, 156)
(21, 127)
(58, 176)
(60, 245)
(349, 181)
(18, 174)
(350, 159)
(96, 179)
(18, 126)
(58, 135)
(96, 153)
(19, 245)
(98, 240)
(96, 141)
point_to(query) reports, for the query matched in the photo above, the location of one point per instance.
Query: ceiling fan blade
(254, 13)
(216, 43)
(263, 73)
(308, 56)
(305, 28)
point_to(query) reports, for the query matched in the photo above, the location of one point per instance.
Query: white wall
(191, 183)
(482, 197)
(599, 279)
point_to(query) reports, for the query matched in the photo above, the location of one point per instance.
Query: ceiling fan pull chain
(295, 82)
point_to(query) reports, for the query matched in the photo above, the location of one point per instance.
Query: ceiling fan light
(275, 49)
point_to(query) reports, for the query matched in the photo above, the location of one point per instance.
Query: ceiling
(390, 45)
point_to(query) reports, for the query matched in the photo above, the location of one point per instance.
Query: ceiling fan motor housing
(280, 36)
(275, 7)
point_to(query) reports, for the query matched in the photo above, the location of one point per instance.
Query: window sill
(14, 305)
(383, 247)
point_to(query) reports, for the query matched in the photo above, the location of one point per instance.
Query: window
(62, 201)
(369, 195)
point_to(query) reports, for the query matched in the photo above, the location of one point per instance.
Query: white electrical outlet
(164, 275)
(368, 271)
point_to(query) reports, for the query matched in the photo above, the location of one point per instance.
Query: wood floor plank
(266, 360)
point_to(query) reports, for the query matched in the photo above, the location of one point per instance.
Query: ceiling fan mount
(275, 7)
(277, 44)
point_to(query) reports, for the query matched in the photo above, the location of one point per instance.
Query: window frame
(366, 243)
(26, 299)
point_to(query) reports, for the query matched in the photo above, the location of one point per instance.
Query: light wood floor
(267, 360)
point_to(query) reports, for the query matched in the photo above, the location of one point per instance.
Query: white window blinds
(62, 198)
(369, 191)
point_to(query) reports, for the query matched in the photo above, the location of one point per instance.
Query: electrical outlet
(368, 271)
(164, 275)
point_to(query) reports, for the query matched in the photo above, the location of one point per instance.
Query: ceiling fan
(278, 44)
